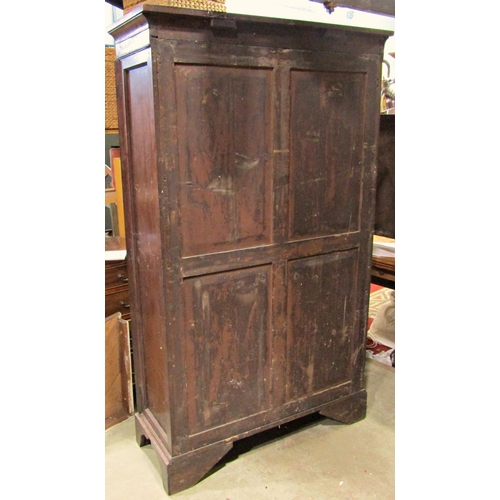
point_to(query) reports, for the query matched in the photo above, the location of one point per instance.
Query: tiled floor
(320, 460)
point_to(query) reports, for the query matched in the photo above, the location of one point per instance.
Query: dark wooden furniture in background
(384, 268)
(384, 271)
(116, 281)
(248, 152)
(386, 178)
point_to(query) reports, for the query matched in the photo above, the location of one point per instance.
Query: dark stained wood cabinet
(116, 280)
(117, 293)
(386, 178)
(248, 153)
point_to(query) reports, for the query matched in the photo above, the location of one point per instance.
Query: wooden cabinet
(386, 178)
(248, 154)
(117, 298)
(117, 292)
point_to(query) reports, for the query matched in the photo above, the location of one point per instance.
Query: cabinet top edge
(146, 14)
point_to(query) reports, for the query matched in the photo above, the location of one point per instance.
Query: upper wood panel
(225, 166)
(326, 148)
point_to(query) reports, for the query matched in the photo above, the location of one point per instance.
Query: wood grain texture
(249, 154)
(321, 315)
(326, 152)
(116, 289)
(118, 371)
(225, 159)
(227, 346)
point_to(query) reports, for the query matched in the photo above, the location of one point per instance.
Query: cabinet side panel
(320, 322)
(326, 129)
(227, 346)
(147, 261)
(225, 158)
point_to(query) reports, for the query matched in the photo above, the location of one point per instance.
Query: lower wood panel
(320, 318)
(227, 355)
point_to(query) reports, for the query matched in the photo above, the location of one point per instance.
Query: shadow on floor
(264, 438)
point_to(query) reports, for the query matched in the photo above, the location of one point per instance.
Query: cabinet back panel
(225, 160)
(320, 322)
(326, 128)
(227, 354)
(250, 149)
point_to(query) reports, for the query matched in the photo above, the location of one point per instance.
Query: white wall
(310, 11)
(111, 14)
(303, 10)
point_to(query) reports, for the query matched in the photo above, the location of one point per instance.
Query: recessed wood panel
(142, 184)
(326, 146)
(320, 318)
(227, 346)
(225, 167)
